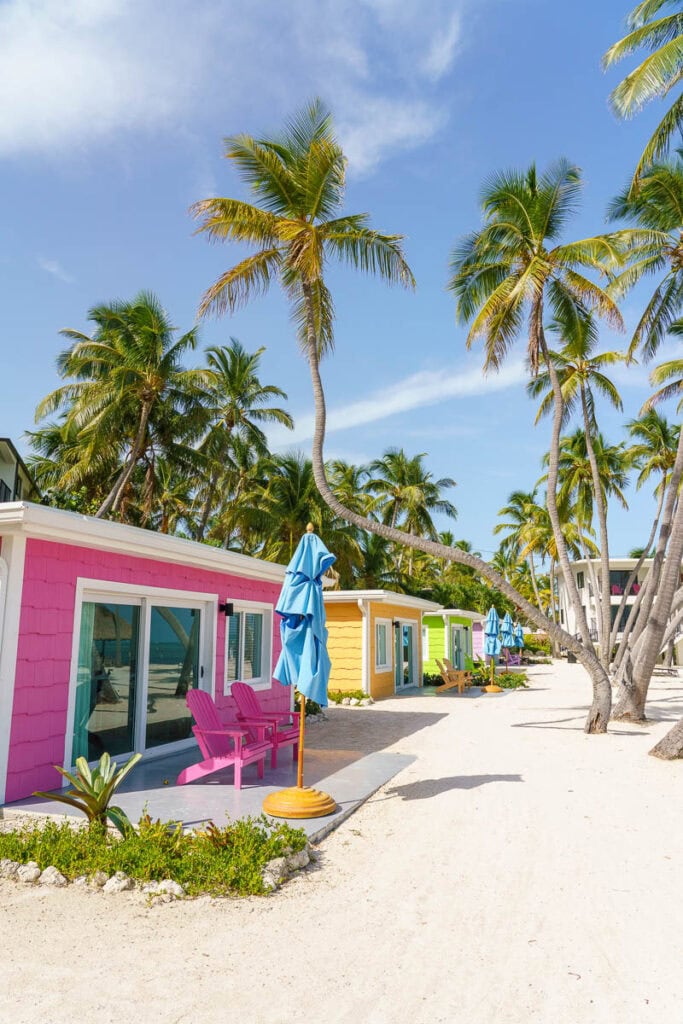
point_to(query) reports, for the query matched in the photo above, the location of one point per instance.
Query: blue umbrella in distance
(492, 644)
(507, 634)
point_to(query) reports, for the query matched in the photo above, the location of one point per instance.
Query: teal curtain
(84, 681)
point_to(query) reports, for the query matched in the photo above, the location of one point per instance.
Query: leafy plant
(337, 696)
(94, 789)
(537, 643)
(216, 860)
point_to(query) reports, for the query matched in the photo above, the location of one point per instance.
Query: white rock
(8, 868)
(274, 873)
(81, 881)
(51, 876)
(99, 879)
(354, 702)
(29, 873)
(299, 860)
(119, 882)
(366, 702)
(171, 888)
(346, 700)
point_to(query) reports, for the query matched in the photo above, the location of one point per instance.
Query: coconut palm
(580, 372)
(655, 77)
(407, 492)
(520, 510)
(298, 179)
(506, 276)
(120, 374)
(236, 404)
(657, 208)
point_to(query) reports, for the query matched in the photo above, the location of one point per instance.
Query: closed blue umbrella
(507, 635)
(303, 662)
(519, 636)
(492, 645)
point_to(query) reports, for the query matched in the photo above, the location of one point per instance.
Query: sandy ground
(517, 871)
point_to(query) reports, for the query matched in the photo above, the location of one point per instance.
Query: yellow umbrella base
(299, 802)
(493, 689)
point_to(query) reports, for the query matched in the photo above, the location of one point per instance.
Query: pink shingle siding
(39, 730)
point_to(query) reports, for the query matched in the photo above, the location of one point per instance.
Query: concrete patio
(349, 756)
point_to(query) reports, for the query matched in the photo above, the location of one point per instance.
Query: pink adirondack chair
(222, 745)
(250, 713)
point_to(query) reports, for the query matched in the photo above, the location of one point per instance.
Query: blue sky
(113, 116)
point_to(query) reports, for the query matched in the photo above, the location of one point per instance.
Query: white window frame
(144, 597)
(388, 667)
(265, 680)
(425, 643)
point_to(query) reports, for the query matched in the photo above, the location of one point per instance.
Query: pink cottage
(104, 627)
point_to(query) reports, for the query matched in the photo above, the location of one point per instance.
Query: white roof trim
(463, 613)
(60, 526)
(386, 596)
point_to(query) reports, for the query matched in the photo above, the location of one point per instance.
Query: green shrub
(432, 679)
(537, 643)
(337, 696)
(512, 680)
(219, 861)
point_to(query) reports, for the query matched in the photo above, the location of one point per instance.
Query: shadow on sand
(426, 788)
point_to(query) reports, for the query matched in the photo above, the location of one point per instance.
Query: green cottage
(452, 633)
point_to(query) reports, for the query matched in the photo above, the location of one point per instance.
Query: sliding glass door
(137, 659)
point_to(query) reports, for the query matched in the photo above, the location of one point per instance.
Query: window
(248, 645)
(382, 645)
(579, 580)
(425, 643)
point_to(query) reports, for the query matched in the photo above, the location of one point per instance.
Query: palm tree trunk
(534, 582)
(596, 722)
(605, 590)
(654, 614)
(116, 493)
(206, 510)
(633, 576)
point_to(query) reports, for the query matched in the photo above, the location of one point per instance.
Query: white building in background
(619, 574)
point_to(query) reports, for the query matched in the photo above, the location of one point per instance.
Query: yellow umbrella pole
(299, 801)
(493, 687)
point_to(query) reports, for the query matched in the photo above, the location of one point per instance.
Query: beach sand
(517, 871)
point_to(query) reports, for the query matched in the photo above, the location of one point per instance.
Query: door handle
(201, 671)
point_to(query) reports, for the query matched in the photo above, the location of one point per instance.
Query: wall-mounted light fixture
(227, 608)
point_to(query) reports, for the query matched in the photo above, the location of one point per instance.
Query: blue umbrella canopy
(492, 644)
(304, 661)
(507, 633)
(519, 636)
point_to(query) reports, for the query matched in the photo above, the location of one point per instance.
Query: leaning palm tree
(506, 277)
(656, 76)
(120, 373)
(298, 179)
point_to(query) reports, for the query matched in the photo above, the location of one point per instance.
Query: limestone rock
(29, 873)
(366, 702)
(296, 861)
(120, 882)
(81, 881)
(354, 702)
(274, 873)
(99, 879)
(165, 888)
(8, 868)
(346, 700)
(51, 876)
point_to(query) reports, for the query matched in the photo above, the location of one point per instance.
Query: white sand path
(519, 871)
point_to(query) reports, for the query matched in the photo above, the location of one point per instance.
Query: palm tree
(121, 373)
(349, 483)
(655, 76)
(376, 568)
(521, 509)
(504, 276)
(236, 403)
(580, 372)
(657, 208)
(298, 179)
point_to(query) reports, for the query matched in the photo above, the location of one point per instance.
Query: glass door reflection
(173, 668)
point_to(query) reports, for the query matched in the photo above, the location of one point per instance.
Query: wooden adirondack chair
(250, 713)
(222, 745)
(452, 677)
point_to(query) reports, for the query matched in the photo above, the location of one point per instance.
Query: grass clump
(337, 696)
(219, 861)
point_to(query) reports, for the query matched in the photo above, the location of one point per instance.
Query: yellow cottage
(375, 640)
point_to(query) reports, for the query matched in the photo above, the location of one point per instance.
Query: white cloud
(415, 392)
(80, 73)
(56, 269)
(443, 49)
